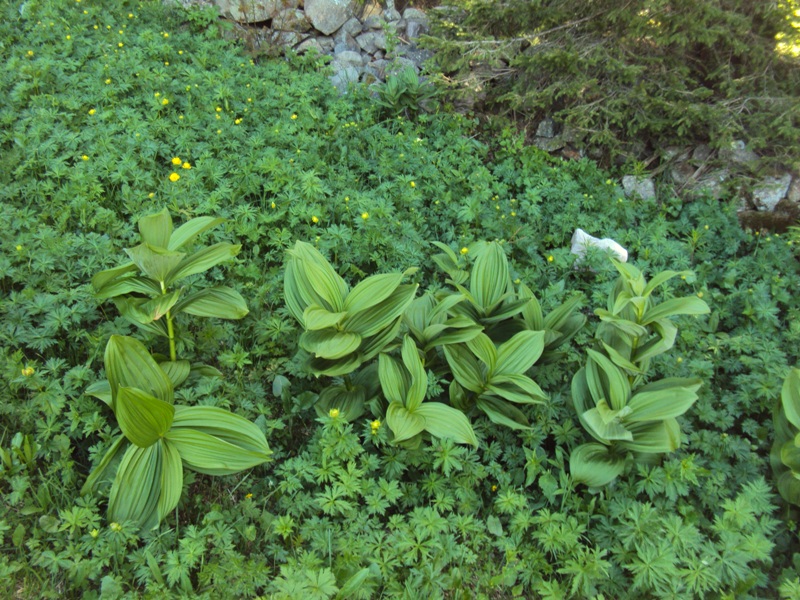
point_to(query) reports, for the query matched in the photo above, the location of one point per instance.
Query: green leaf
(119, 444)
(453, 336)
(136, 488)
(403, 423)
(156, 229)
(653, 437)
(789, 487)
(602, 430)
(502, 413)
(141, 417)
(509, 386)
(557, 318)
(212, 455)
(153, 261)
(131, 309)
(624, 325)
(330, 343)
(593, 465)
(349, 402)
(465, 368)
(790, 457)
(315, 273)
(369, 322)
(621, 361)
(518, 354)
(202, 261)
(103, 278)
(631, 276)
(220, 302)
(419, 379)
(171, 480)
(532, 311)
(489, 278)
(316, 317)
(663, 399)
(101, 390)
(372, 291)
(444, 421)
(663, 340)
(191, 229)
(483, 347)
(129, 364)
(377, 343)
(660, 279)
(790, 397)
(606, 380)
(222, 424)
(158, 307)
(394, 379)
(178, 371)
(690, 305)
(128, 285)
(336, 367)
(353, 586)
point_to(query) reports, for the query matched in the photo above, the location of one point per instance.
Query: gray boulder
(291, 19)
(372, 41)
(344, 78)
(251, 11)
(329, 15)
(770, 191)
(641, 187)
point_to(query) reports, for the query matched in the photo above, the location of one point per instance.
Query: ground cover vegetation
(633, 79)
(420, 391)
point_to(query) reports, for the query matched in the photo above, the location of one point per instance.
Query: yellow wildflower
(334, 412)
(94, 533)
(273, 205)
(218, 109)
(187, 165)
(464, 250)
(176, 160)
(174, 177)
(248, 496)
(165, 101)
(375, 425)
(120, 44)
(413, 185)
(28, 371)
(115, 526)
(315, 219)
(108, 81)
(84, 157)
(92, 111)
(151, 195)
(294, 117)
(550, 258)
(19, 247)
(365, 215)
(30, 52)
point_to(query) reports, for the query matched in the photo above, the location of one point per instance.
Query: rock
(413, 29)
(415, 14)
(641, 187)
(249, 11)
(352, 26)
(415, 55)
(377, 68)
(581, 241)
(326, 43)
(291, 19)
(371, 9)
(738, 153)
(372, 41)
(344, 43)
(283, 38)
(348, 59)
(329, 15)
(793, 195)
(391, 15)
(549, 144)
(712, 184)
(546, 129)
(702, 153)
(344, 78)
(309, 44)
(373, 22)
(398, 65)
(770, 191)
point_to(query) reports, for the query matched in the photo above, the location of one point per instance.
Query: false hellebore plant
(785, 455)
(144, 289)
(158, 439)
(627, 416)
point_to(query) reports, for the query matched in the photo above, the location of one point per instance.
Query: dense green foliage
(91, 121)
(633, 78)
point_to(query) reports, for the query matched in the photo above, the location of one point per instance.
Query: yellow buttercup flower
(413, 185)
(365, 215)
(19, 247)
(151, 195)
(333, 413)
(165, 101)
(248, 496)
(550, 258)
(108, 81)
(315, 219)
(294, 117)
(92, 111)
(174, 177)
(464, 250)
(176, 160)
(28, 371)
(273, 205)
(84, 157)
(186, 165)
(375, 425)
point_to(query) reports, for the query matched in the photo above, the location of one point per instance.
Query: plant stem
(170, 329)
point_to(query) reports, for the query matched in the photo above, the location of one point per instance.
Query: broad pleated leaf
(129, 364)
(128, 285)
(532, 311)
(221, 424)
(602, 430)
(171, 480)
(101, 390)
(653, 402)
(789, 487)
(631, 276)
(403, 424)
(377, 343)
(316, 317)
(458, 335)
(141, 417)
(293, 295)
(330, 343)
(489, 277)
(622, 362)
(153, 261)
(220, 302)
(606, 380)
(465, 368)
(349, 402)
(790, 397)
(137, 487)
(518, 388)
(624, 325)
(502, 311)
(369, 322)
(654, 436)
(660, 279)
(191, 229)
(212, 455)
(103, 278)
(558, 317)
(419, 379)
(156, 229)
(502, 413)
(372, 291)
(659, 343)
(518, 354)
(690, 305)
(790, 456)
(336, 367)
(130, 308)
(444, 421)
(395, 380)
(157, 307)
(418, 315)
(203, 260)
(483, 348)
(178, 371)
(593, 465)
(118, 446)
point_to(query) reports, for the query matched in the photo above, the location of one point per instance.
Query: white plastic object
(582, 240)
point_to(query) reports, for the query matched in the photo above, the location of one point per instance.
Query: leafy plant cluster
(634, 78)
(341, 509)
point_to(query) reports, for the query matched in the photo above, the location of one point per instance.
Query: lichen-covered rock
(770, 191)
(291, 19)
(251, 11)
(641, 187)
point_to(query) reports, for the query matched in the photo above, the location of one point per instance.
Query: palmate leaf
(137, 486)
(444, 421)
(141, 417)
(593, 465)
(129, 364)
(220, 302)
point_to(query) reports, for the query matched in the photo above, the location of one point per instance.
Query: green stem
(173, 356)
